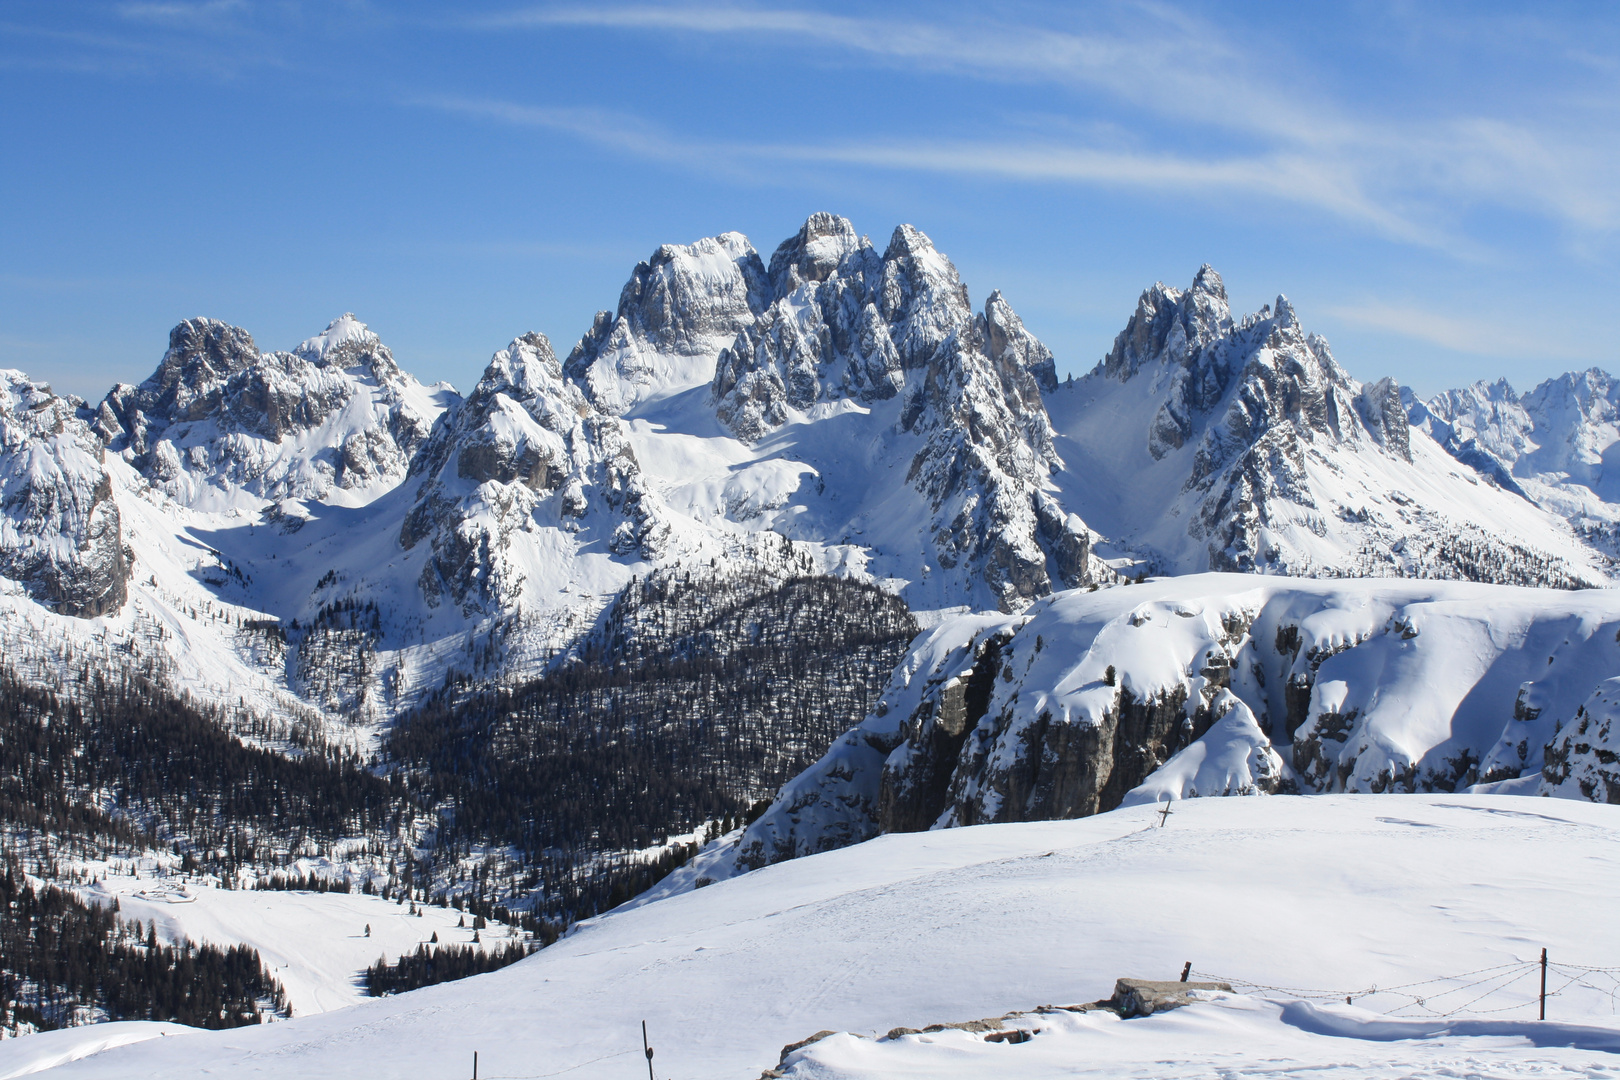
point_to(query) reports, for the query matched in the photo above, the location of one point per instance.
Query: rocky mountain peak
(853, 325)
(1014, 348)
(814, 253)
(218, 416)
(1174, 326)
(677, 311)
(202, 354)
(60, 530)
(349, 343)
(526, 451)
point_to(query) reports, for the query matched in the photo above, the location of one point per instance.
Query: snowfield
(1333, 893)
(315, 944)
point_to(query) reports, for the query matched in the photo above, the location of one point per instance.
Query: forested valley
(538, 804)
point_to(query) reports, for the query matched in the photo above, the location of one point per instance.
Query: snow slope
(315, 944)
(1329, 892)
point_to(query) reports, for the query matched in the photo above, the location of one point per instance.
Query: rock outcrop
(526, 452)
(60, 534)
(1583, 759)
(1216, 684)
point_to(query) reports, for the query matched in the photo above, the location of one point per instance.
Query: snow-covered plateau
(1218, 684)
(316, 945)
(1335, 895)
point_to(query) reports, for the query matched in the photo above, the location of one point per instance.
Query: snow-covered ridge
(1558, 445)
(1214, 443)
(1217, 684)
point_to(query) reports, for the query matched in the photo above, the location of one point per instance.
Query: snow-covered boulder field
(1332, 893)
(1216, 684)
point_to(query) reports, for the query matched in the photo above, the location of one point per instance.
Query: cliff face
(60, 531)
(679, 309)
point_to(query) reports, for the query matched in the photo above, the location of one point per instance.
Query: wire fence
(1482, 992)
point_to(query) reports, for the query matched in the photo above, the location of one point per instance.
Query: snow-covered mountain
(849, 400)
(316, 526)
(1214, 443)
(1218, 684)
(1557, 444)
(221, 425)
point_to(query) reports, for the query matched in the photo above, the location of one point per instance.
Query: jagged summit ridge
(1250, 448)
(219, 417)
(847, 325)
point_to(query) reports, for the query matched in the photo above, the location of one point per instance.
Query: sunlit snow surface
(1322, 892)
(316, 945)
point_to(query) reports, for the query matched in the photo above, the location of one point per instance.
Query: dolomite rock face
(679, 309)
(525, 452)
(846, 324)
(219, 420)
(60, 534)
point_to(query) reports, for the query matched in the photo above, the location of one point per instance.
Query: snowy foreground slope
(1335, 893)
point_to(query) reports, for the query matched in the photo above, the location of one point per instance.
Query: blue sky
(1436, 187)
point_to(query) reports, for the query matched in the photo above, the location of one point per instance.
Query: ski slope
(1326, 892)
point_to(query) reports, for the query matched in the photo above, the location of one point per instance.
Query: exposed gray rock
(1583, 759)
(60, 531)
(1144, 997)
(847, 324)
(525, 450)
(675, 314)
(218, 416)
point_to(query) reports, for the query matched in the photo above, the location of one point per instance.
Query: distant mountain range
(317, 536)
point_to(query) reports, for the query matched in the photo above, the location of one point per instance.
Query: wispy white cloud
(1292, 179)
(1471, 335)
(1408, 179)
(178, 12)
